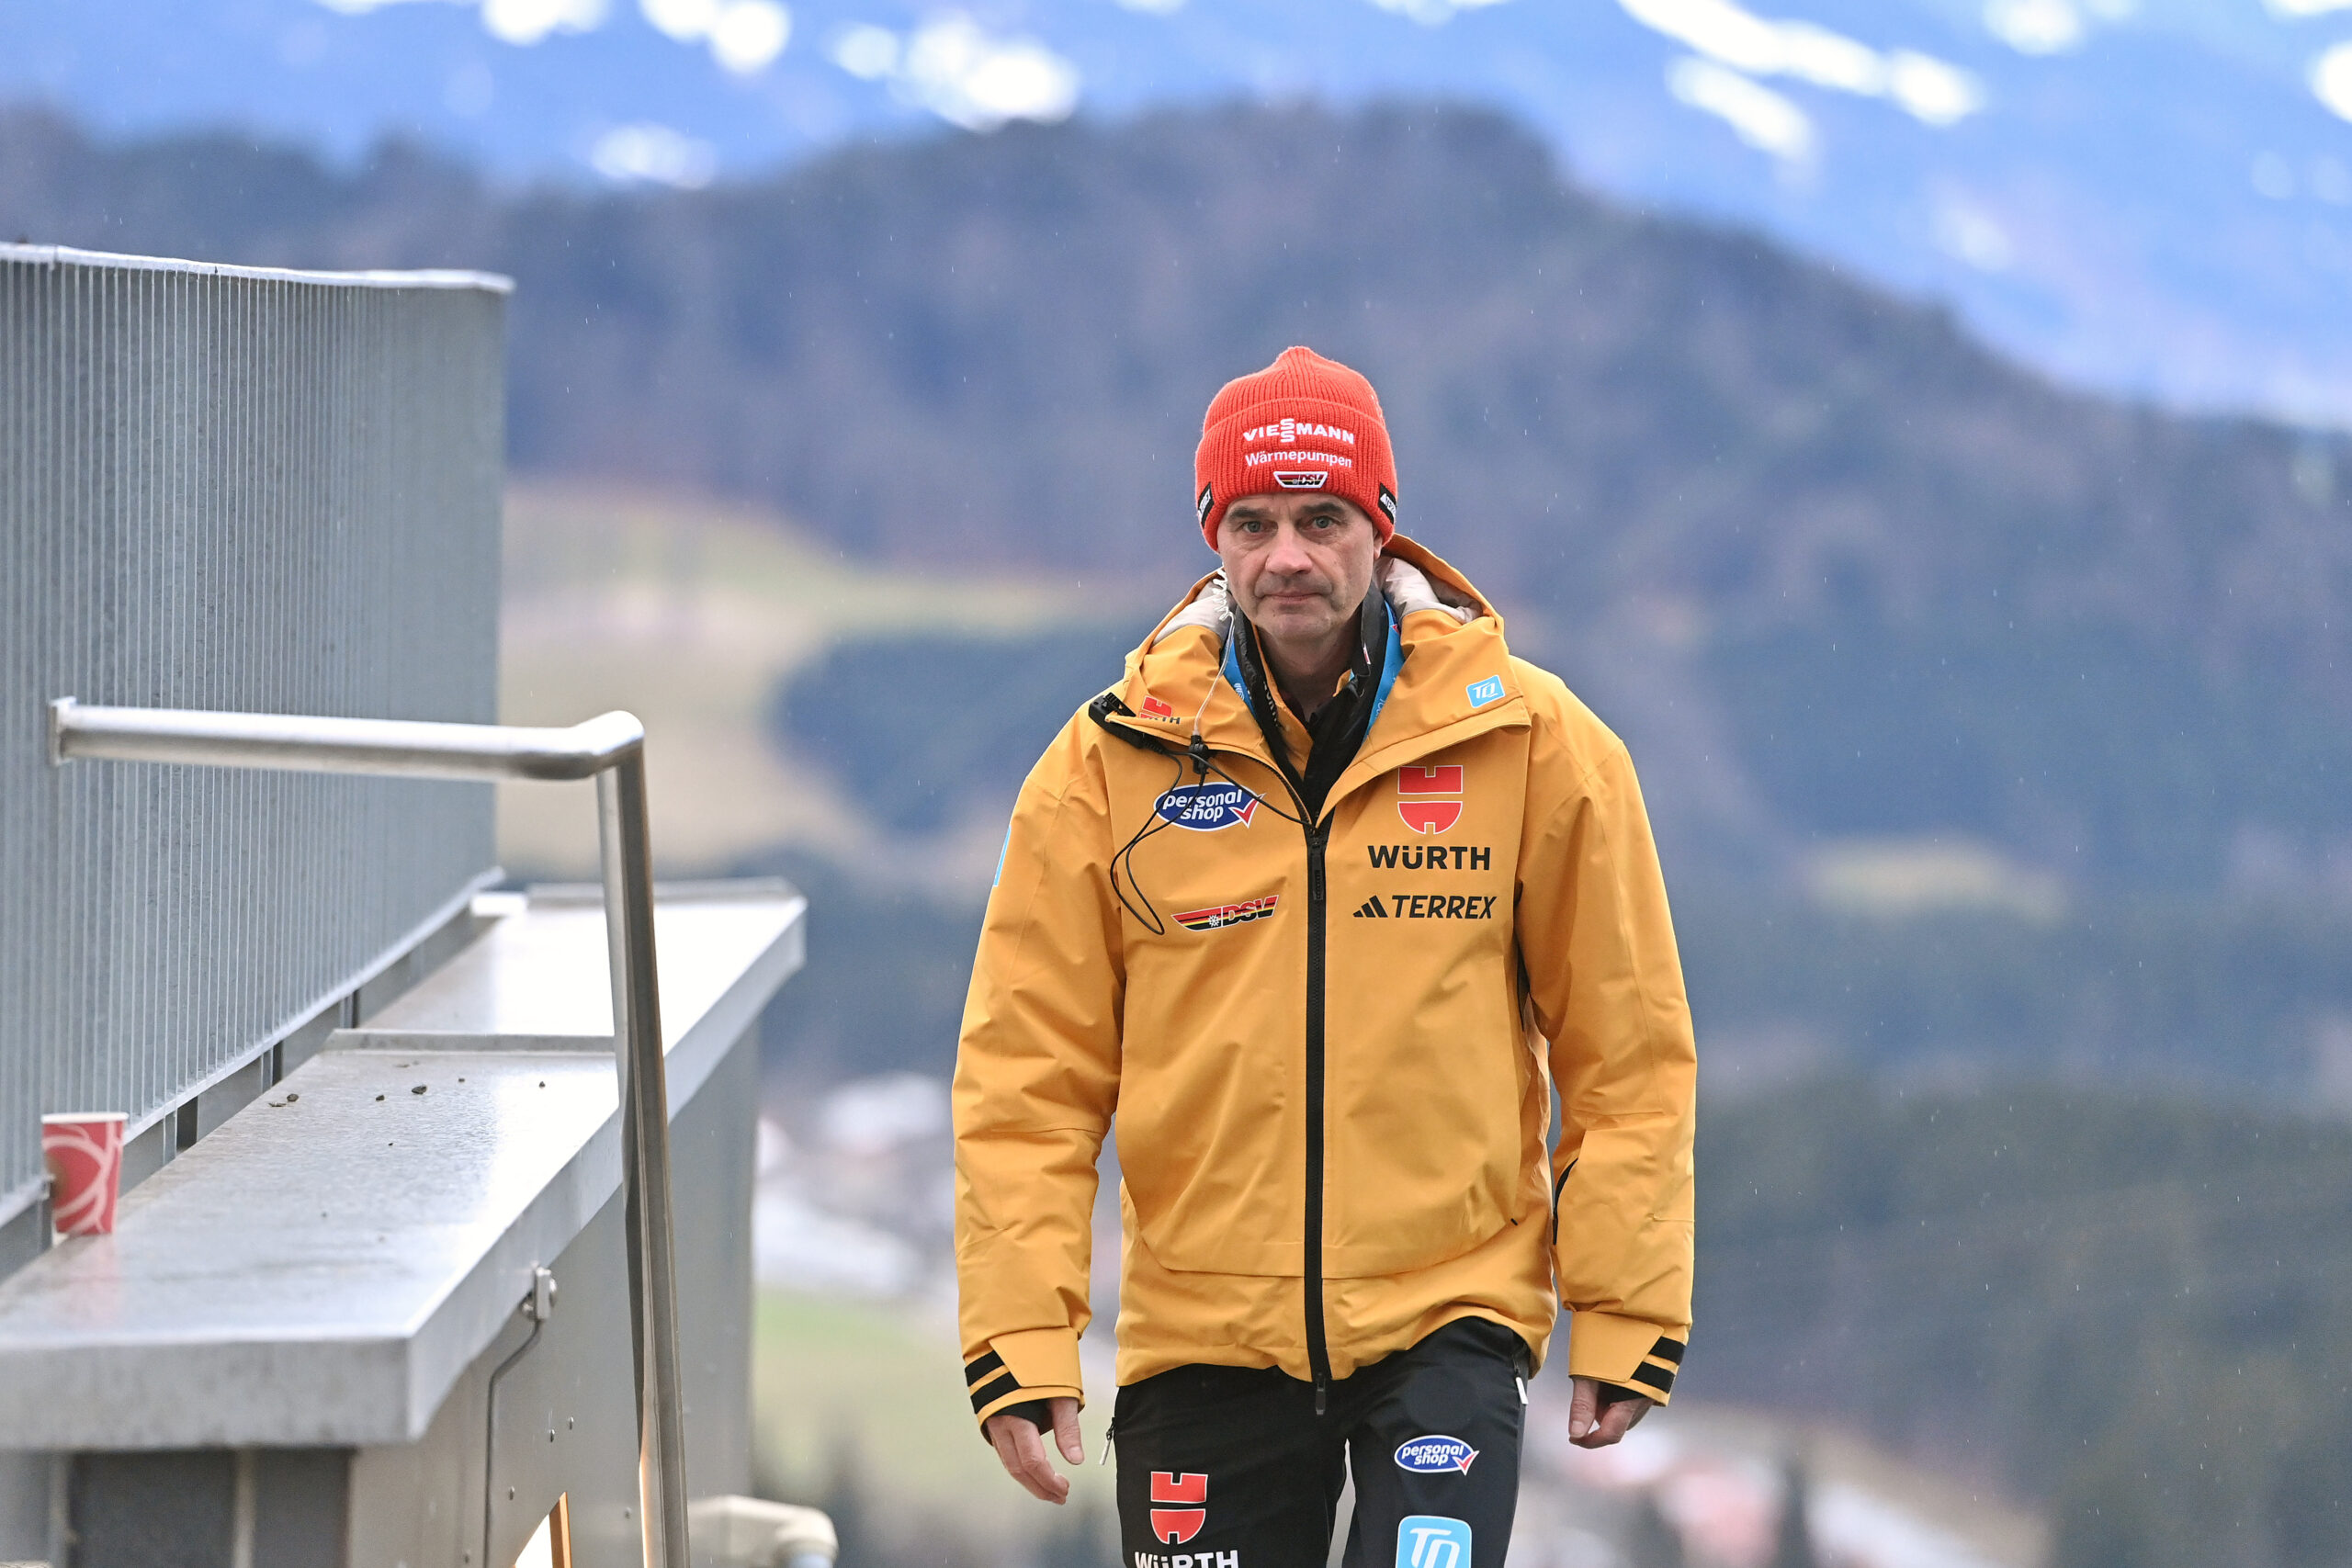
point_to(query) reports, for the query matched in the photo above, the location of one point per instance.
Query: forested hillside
(2134, 1308)
(1839, 576)
(1834, 570)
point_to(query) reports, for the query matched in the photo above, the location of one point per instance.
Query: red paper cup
(84, 1157)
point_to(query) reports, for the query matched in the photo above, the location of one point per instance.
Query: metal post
(645, 1124)
(610, 748)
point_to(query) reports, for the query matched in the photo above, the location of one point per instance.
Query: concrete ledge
(322, 1270)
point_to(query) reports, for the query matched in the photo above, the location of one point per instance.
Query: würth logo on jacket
(1179, 1525)
(1421, 797)
(1218, 916)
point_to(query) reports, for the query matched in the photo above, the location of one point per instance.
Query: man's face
(1299, 565)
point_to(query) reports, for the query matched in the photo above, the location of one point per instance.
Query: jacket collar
(1444, 681)
(1316, 752)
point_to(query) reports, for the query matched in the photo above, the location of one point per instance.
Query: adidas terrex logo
(1430, 906)
(1430, 857)
(1291, 429)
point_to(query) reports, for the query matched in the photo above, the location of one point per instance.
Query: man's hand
(1023, 1448)
(1591, 1423)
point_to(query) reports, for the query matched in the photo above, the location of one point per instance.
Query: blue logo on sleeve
(1433, 1540)
(1490, 689)
(1435, 1455)
(1205, 807)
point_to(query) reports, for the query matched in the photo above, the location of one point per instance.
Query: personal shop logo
(1421, 797)
(1206, 807)
(1435, 1455)
(1177, 1525)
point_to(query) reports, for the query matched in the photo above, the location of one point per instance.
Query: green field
(874, 1391)
(687, 613)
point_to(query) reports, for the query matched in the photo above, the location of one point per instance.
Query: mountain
(1837, 571)
(2154, 196)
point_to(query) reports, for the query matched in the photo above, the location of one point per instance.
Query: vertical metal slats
(226, 487)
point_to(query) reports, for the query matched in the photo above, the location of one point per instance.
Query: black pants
(1222, 1467)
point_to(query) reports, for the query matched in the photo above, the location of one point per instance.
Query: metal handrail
(610, 748)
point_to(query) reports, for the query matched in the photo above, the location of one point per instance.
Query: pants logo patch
(1177, 1525)
(1433, 1540)
(1435, 1455)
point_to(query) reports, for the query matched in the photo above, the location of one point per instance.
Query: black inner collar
(1336, 731)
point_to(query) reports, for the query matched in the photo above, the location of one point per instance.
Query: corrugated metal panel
(226, 487)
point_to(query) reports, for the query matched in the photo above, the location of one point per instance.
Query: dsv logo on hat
(1177, 1525)
(1301, 479)
(1435, 1455)
(1206, 807)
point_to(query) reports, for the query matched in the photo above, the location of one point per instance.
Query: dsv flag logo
(1420, 793)
(1177, 1525)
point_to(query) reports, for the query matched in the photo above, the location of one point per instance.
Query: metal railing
(228, 487)
(611, 749)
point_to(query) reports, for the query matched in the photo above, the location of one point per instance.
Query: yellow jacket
(1331, 1054)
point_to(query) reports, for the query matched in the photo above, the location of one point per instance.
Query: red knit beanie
(1303, 422)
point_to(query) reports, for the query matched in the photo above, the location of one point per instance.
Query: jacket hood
(1453, 669)
(1452, 586)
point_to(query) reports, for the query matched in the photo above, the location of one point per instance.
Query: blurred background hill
(2154, 196)
(1997, 725)
(1895, 626)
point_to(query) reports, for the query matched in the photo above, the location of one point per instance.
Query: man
(1324, 898)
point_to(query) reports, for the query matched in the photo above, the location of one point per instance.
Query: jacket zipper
(1319, 837)
(1557, 1187)
(1318, 1352)
(1318, 834)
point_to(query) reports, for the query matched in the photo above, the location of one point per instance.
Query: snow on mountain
(2148, 195)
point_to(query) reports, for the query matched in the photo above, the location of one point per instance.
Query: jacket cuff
(1034, 1364)
(1631, 1352)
